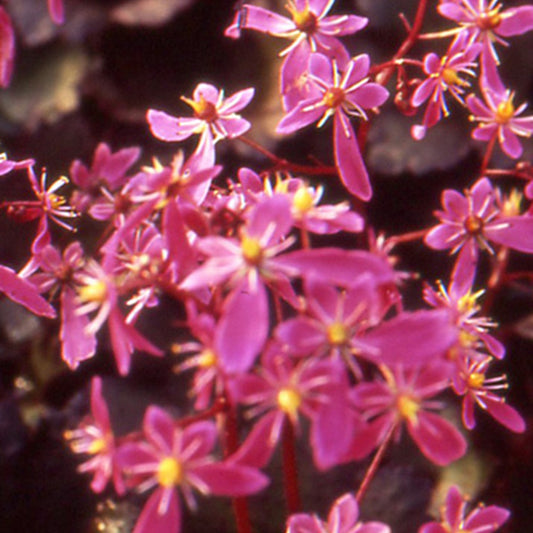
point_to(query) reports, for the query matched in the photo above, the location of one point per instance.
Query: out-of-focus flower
(57, 11)
(342, 518)
(453, 520)
(7, 48)
(95, 437)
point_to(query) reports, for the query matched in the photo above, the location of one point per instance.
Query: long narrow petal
(152, 521)
(169, 128)
(259, 19)
(231, 479)
(348, 159)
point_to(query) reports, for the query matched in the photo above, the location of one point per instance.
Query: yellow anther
(97, 446)
(203, 109)
(251, 250)
(407, 407)
(302, 200)
(333, 97)
(169, 472)
(451, 77)
(305, 20)
(475, 380)
(289, 402)
(337, 333)
(207, 358)
(93, 292)
(505, 111)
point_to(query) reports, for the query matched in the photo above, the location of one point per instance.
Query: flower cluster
(285, 336)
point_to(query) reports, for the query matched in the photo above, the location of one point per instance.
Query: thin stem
(290, 471)
(407, 237)
(374, 465)
(495, 280)
(488, 153)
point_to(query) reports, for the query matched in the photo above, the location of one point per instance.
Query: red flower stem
(408, 237)
(374, 465)
(231, 444)
(409, 42)
(488, 154)
(290, 471)
(283, 164)
(304, 237)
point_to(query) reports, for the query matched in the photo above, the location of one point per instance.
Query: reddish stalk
(488, 154)
(408, 237)
(290, 471)
(495, 279)
(374, 465)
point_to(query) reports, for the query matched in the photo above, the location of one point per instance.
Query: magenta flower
(471, 382)
(95, 438)
(61, 272)
(405, 398)
(483, 21)
(310, 30)
(472, 221)
(7, 48)
(498, 116)
(177, 460)
(340, 97)
(342, 518)
(215, 118)
(444, 75)
(453, 520)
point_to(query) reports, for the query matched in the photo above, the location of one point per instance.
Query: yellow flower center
(251, 250)
(302, 200)
(505, 111)
(305, 20)
(450, 77)
(407, 407)
(97, 446)
(289, 401)
(488, 20)
(93, 292)
(475, 380)
(169, 472)
(337, 333)
(333, 97)
(203, 109)
(207, 358)
(467, 303)
(473, 225)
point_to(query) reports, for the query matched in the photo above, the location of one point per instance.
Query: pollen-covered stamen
(475, 380)
(505, 111)
(251, 249)
(408, 407)
(302, 200)
(95, 291)
(473, 225)
(305, 20)
(451, 78)
(169, 472)
(490, 19)
(337, 333)
(203, 109)
(289, 402)
(207, 358)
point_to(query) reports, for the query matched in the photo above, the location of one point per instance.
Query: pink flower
(471, 382)
(342, 518)
(310, 30)
(472, 221)
(340, 97)
(95, 438)
(444, 76)
(483, 21)
(215, 118)
(177, 460)
(405, 398)
(453, 520)
(500, 117)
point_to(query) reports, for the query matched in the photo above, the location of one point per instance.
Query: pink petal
(516, 21)
(437, 439)
(342, 24)
(259, 19)
(201, 437)
(486, 519)
(300, 336)
(505, 414)
(369, 95)
(243, 328)
(509, 142)
(152, 521)
(7, 48)
(348, 159)
(237, 101)
(344, 513)
(55, 7)
(76, 344)
(302, 115)
(513, 232)
(423, 92)
(158, 426)
(231, 479)
(24, 293)
(455, 505)
(169, 128)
